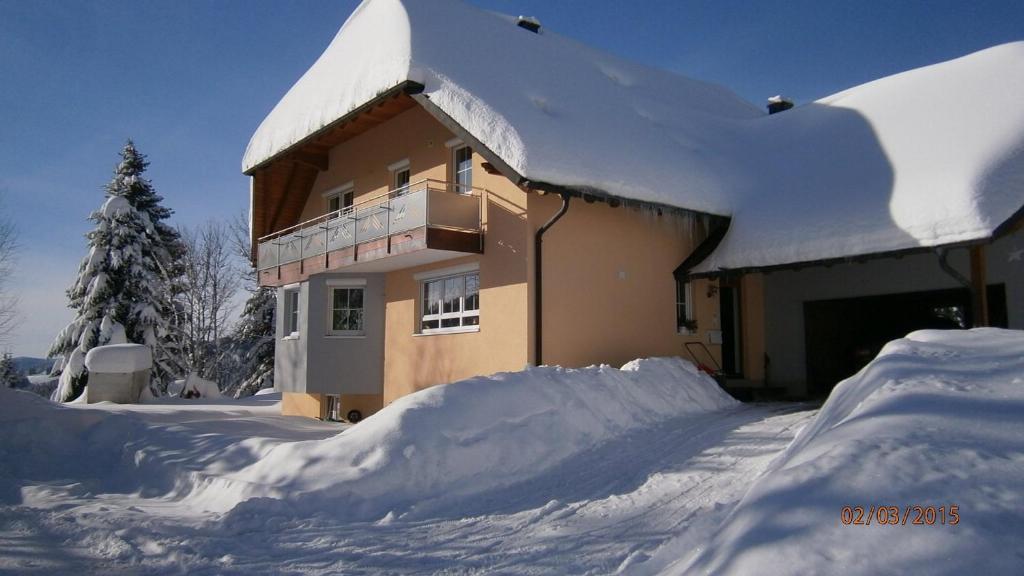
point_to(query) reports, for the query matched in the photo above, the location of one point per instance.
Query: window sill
(443, 331)
(292, 336)
(345, 336)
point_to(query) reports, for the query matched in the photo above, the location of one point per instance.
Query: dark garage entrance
(843, 335)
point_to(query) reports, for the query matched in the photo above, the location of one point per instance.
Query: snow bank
(447, 442)
(119, 358)
(44, 441)
(935, 420)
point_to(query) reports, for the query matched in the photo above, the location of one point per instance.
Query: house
(429, 212)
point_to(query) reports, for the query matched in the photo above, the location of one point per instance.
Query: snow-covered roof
(552, 109)
(925, 158)
(929, 157)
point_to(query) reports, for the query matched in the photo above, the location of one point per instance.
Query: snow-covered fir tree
(126, 285)
(254, 341)
(10, 377)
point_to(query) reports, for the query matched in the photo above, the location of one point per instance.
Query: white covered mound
(937, 420)
(43, 441)
(449, 442)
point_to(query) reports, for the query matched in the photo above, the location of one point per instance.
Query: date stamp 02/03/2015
(911, 515)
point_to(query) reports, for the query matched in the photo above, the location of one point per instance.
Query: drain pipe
(956, 275)
(538, 279)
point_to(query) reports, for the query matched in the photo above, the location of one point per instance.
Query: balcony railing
(425, 203)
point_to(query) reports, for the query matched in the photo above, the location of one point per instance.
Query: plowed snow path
(603, 511)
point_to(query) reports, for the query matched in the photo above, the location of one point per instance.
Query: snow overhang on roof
(930, 157)
(926, 158)
(551, 109)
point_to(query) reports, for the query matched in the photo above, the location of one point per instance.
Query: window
(451, 303)
(291, 312)
(401, 182)
(346, 311)
(462, 171)
(685, 322)
(339, 198)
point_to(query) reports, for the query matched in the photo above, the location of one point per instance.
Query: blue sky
(190, 80)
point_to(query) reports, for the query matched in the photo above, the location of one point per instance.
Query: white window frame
(455, 169)
(424, 279)
(344, 284)
(345, 194)
(685, 290)
(292, 311)
(396, 169)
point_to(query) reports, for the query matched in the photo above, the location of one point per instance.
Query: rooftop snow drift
(929, 157)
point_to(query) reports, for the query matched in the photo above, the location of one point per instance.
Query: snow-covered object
(928, 157)
(469, 437)
(194, 387)
(924, 158)
(119, 358)
(934, 421)
(553, 109)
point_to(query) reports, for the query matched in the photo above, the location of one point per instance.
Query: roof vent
(779, 104)
(530, 23)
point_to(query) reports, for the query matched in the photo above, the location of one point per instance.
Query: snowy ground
(607, 506)
(699, 486)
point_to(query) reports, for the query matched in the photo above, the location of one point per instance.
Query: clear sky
(190, 80)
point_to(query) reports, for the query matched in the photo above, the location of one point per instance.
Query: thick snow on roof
(925, 158)
(928, 157)
(551, 108)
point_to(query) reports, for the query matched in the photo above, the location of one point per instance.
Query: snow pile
(194, 387)
(437, 446)
(46, 442)
(934, 421)
(119, 358)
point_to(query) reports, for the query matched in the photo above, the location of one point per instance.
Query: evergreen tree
(126, 285)
(254, 339)
(9, 375)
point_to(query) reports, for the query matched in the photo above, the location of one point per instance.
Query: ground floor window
(291, 311)
(685, 321)
(450, 303)
(346, 311)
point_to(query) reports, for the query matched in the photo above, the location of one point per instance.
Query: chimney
(778, 104)
(529, 23)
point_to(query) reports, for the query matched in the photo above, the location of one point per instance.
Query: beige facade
(609, 290)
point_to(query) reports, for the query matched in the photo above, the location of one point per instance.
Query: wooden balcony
(426, 221)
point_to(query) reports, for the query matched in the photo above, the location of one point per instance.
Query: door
(729, 314)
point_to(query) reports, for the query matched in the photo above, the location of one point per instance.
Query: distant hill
(28, 365)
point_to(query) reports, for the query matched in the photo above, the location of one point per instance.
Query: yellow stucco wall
(364, 160)
(300, 404)
(609, 289)
(609, 292)
(415, 361)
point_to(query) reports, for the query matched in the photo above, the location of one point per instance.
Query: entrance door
(842, 336)
(729, 314)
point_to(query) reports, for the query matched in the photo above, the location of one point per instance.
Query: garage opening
(841, 336)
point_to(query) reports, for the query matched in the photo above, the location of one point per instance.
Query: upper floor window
(450, 303)
(339, 198)
(463, 169)
(685, 322)
(400, 177)
(401, 182)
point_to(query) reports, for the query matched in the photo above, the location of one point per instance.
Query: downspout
(538, 279)
(956, 275)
